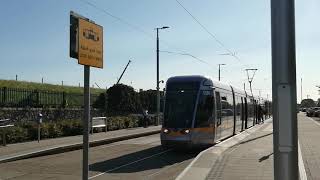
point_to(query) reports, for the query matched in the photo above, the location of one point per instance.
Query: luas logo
(90, 34)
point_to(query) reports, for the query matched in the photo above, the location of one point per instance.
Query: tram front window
(204, 109)
(179, 108)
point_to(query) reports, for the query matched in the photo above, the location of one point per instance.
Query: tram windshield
(180, 104)
(204, 109)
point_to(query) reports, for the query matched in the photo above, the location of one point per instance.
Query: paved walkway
(309, 139)
(13, 150)
(252, 158)
(249, 155)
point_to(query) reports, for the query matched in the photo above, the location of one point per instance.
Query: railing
(14, 97)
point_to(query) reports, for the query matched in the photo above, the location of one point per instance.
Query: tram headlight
(166, 131)
(186, 131)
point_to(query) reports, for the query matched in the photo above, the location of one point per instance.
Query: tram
(201, 112)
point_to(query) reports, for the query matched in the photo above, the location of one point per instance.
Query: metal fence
(14, 97)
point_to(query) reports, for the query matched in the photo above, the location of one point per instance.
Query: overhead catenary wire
(137, 28)
(134, 27)
(231, 53)
(187, 54)
(150, 36)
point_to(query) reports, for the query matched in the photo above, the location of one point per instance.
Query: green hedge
(28, 131)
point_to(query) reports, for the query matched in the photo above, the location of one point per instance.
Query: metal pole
(250, 88)
(86, 118)
(301, 90)
(158, 92)
(39, 132)
(4, 142)
(267, 105)
(219, 72)
(284, 93)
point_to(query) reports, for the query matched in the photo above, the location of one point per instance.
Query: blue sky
(35, 41)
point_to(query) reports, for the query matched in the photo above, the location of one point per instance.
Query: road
(140, 158)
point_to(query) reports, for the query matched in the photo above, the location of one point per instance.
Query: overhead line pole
(301, 90)
(318, 89)
(284, 92)
(219, 69)
(251, 79)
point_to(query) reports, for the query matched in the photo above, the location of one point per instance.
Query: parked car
(316, 113)
(311, 111)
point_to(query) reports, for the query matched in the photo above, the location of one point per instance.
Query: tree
(306, 103)
(122, 99)
(148, 100)
(101, 101)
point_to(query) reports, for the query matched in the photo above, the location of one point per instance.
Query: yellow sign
(90, 44)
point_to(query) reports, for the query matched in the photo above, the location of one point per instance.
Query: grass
(46, 87)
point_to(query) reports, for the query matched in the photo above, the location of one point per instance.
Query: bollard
(39, 126)
(39, 134)
(106, 123)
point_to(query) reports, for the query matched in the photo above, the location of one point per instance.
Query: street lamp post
(158, 92)
(219, 69)
(284, 90)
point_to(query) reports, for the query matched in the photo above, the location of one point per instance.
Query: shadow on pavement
(265, 157)
(143, 160)
(253, 139)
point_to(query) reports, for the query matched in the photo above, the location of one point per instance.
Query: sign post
(85, 164)
(86, 45)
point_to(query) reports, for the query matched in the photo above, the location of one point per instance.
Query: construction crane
(123, 72)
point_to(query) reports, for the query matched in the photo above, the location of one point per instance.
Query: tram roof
(206, 79)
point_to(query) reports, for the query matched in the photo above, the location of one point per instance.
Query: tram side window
(250, 110)
(238, 107)
(227, 107)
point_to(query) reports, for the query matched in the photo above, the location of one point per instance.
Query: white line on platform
(302, 170)
(317, 123)
(113, 169)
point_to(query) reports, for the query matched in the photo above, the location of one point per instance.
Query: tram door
(218, 116)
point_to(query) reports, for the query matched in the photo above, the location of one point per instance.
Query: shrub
(122, 122)
(54, 130)
(15, 134)
(28, 131)
(71, 127)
